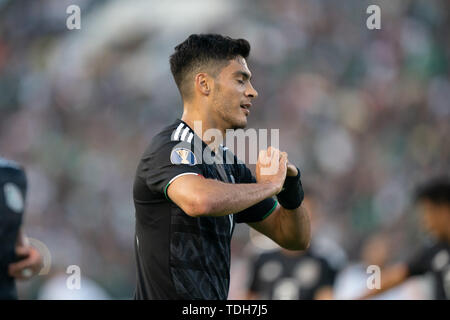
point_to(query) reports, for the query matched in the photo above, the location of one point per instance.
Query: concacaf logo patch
(183, 156)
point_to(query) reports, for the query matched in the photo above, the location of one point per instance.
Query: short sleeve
(259, 211)
(162, 165)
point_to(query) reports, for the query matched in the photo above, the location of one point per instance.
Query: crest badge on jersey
(13, 197)
(183, 156)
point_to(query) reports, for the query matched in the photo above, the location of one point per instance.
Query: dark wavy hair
(436, 191)
(204, 53)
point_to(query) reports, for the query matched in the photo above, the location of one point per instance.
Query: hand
(272, 167)
(27, 267)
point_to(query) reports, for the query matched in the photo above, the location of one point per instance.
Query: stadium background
(363, 113)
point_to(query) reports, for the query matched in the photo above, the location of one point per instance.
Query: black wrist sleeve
(292, 195)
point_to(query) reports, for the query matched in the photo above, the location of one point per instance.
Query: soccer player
(17, 259)
(291, 275)
(186, 206)
(281, 274)
(433, 200)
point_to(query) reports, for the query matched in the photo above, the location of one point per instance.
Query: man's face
(232, 94)
(435, 218)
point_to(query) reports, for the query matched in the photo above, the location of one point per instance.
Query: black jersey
(13, 186)
(279, 276)
(178, 256)
(434, 259)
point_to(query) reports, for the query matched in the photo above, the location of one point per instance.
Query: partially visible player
(18, 260)
(282, 274)
(433, 201)
(376, 250)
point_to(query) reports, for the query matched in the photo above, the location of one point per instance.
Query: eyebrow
(246, 75)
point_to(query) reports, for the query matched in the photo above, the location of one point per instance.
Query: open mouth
(246, 108)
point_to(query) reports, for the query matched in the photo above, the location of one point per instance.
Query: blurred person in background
(18, 260)
(351, 282)
(290, 275)
(281, 274)
(433, 202)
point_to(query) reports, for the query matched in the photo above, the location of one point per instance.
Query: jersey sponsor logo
(183, 156)
(13, 197)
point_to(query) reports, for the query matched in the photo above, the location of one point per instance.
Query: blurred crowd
(363, 113)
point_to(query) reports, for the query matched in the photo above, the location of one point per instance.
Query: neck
(193, 118)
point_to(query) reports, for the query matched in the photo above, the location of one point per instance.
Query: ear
(203, 83)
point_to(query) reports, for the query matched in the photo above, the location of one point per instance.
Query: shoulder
(176, 134)
(11, 170)
(422, 260)
(13, 181)
(172, 145)
(431, 247)
(441, 245)
(9, 164)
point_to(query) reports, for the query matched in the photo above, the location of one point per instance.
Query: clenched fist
(272, 167)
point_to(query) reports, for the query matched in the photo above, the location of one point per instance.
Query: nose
(251, 92)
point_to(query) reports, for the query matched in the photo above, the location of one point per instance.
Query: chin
(240, 125)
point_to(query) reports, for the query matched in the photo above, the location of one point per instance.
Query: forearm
(198, 196)
(226, 198)
(289, 225)
(207, 197)
(295, 228)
